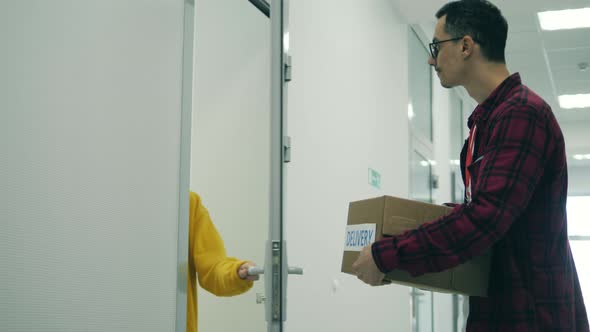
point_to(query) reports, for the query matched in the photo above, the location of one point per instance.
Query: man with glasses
(515, 174)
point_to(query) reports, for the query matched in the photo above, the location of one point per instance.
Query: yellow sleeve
(216, 272)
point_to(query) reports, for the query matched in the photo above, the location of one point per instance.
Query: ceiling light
(574, 101)
(578, 156)
(564, 19)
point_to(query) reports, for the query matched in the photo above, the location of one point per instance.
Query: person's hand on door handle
(243, 271)
(365, 268)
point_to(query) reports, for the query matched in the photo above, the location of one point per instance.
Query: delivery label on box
(359, 236)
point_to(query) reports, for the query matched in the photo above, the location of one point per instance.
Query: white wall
(577, 141)
(90, 102)
(577, 138)
(579, 181)
(347, 112)
(230, 145)
(441, 126)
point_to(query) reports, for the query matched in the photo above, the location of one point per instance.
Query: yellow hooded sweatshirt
(208, 262)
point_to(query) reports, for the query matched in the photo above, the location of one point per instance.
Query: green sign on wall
(374, 178)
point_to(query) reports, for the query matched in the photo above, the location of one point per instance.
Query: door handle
(255, 270)
(258, 270)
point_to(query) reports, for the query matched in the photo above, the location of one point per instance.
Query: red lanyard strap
(468, 161)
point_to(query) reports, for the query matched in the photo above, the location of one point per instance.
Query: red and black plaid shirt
(519, 186)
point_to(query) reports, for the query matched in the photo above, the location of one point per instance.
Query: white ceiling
(547, 60)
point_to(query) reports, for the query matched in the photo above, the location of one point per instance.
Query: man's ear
(467, 46)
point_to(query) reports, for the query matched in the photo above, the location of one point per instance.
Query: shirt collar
(483, 110)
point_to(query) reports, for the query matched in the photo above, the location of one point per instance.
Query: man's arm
(509, 171)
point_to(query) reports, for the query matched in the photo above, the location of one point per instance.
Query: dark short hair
(482, 21)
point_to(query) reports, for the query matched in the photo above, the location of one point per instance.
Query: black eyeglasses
(434, 48)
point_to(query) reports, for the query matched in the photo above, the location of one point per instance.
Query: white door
(230, 157)
(421, 190)
(93, 166)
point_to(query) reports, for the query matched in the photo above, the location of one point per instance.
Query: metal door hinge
(288, 68)
(286, 149)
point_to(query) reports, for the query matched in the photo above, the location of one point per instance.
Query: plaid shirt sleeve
(506, 173)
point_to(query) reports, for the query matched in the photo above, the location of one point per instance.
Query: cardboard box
(373, 219)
